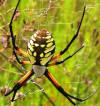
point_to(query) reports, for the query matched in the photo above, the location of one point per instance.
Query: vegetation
(80, 75)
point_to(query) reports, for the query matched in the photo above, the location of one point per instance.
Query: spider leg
(20, 84)
(74, 37)
(26, 62)
(20, 62)
(22, 52)
(14, 38)
(59, 62)
(61, 90)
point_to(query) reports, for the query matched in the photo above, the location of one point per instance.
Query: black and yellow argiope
(41, 48)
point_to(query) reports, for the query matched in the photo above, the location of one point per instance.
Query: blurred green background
(80, 75)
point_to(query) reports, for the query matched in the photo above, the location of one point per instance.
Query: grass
(79, 75)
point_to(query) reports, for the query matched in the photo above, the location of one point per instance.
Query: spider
(41, 48)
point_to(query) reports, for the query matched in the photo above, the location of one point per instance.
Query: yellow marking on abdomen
(49, 44)
(49, 49)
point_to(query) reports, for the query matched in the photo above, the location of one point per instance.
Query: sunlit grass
(79, 75)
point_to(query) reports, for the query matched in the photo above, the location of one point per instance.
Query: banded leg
(20, 62)
(59, 62)
(22, 52)
(14, 38)
(20, 84)
(25, 62)
(74, 37)
(61, 90)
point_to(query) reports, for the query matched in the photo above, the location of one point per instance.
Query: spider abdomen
(41, 47)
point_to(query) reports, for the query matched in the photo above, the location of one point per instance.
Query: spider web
(53, 15)
(45, 6)
(48, 14)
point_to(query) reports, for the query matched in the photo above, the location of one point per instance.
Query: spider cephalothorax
(41, 48)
